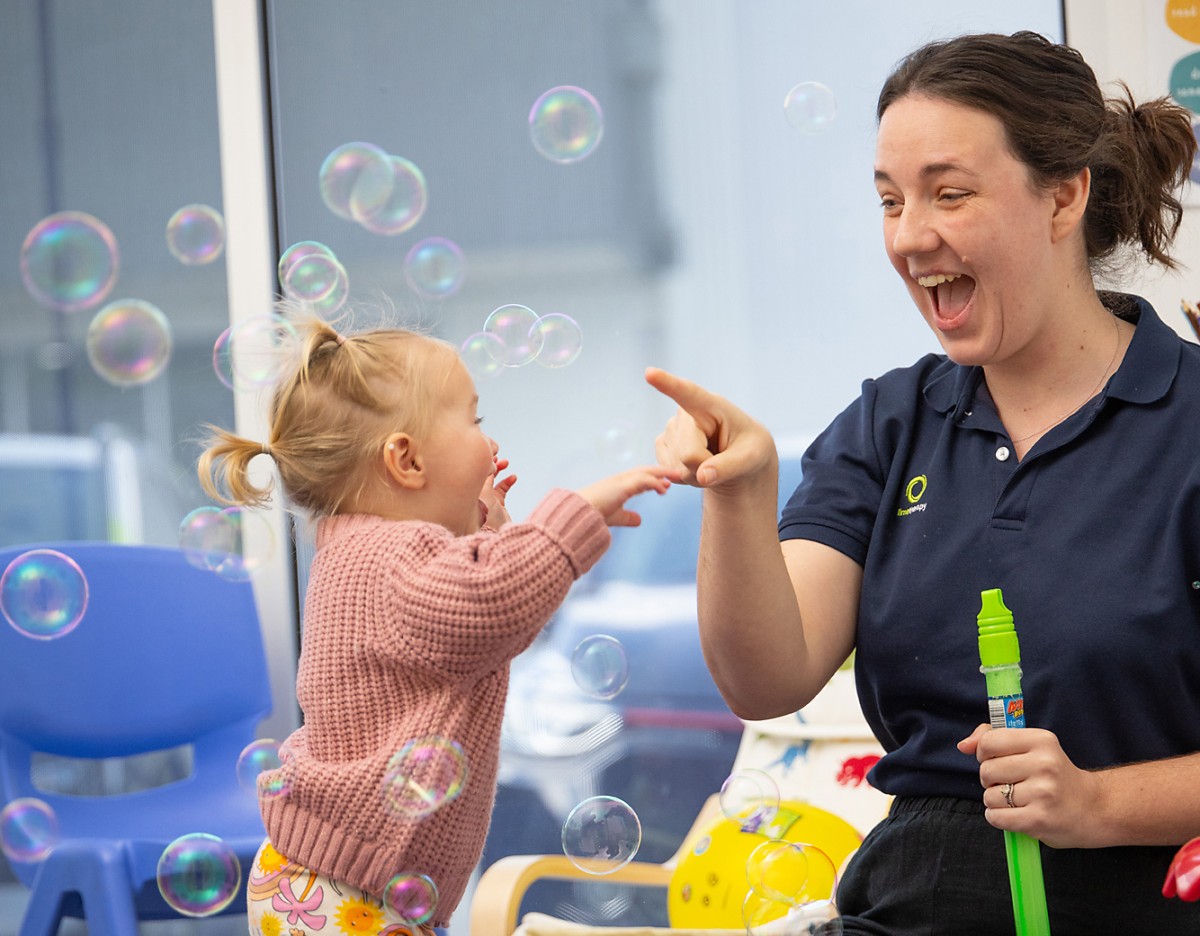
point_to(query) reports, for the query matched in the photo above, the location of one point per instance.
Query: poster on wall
(1173, 60)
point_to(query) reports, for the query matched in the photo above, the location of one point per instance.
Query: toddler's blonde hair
(330, 414)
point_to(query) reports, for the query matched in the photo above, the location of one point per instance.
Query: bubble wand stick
(1000, 656)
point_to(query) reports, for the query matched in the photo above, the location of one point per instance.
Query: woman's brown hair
(1059, 122)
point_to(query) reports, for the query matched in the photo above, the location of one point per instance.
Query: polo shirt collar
(1145, 375)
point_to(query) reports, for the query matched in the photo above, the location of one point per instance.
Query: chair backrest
(166, 653)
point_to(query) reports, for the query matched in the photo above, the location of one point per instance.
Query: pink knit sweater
(408, 633)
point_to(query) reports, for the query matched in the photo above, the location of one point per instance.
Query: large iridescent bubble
(43, 594)
(566, 124)
(69, 261)
(129, 342)
(601, 835)
(28, 829)
(199, 875)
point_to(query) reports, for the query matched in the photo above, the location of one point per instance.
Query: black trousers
(935, 867)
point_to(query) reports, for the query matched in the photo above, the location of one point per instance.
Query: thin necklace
(1094, 391)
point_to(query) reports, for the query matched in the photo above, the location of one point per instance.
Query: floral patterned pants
(286, 899)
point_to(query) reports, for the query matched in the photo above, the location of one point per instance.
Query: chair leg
(98, 874)
(42, 914)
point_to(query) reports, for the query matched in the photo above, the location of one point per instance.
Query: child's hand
(491, 498)
(609, 496)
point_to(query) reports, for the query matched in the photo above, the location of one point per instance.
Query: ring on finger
(1007, 790)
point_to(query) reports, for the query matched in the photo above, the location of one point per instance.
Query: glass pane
(112, 291)
(643, 168)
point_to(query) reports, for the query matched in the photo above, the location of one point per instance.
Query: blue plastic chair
(166, 655)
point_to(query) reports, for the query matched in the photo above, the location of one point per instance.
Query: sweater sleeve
(470, 604)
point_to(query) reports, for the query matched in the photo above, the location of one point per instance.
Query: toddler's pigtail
(224, 469)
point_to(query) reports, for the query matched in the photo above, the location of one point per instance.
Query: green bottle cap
(997, 637)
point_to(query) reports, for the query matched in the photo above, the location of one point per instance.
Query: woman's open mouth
(951, 295)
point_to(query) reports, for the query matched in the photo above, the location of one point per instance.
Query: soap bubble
(599, 666)
(43, 594)
(810, 107)
(766, 917)
(298, 252)
(750, 796)
(412, 897)
(129, 342)
(405, 203)
(199, 875)
(253, 545)
(319, 280)
(482, 354)
(69, 261)
(196, 234)
(434, 267)
(355, 179)
(566, 124)
(28, 830)
(257, 757)
(601, 835)
(514, 325)
(560, 338)
(794, 873)
(424, 775)
(255, 352)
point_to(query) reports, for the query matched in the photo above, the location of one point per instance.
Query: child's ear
(401, 461)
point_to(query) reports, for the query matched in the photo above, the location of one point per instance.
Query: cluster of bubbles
(43, 594)
(791, 885)
(514, 335)
(69, 262)
(233, 542)
(310, 272)
(361, 182)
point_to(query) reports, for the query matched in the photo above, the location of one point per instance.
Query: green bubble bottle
(1000, 656)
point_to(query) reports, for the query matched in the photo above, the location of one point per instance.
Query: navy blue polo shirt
(1094, 538)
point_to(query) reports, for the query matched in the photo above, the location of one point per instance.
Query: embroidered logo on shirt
(913, 494)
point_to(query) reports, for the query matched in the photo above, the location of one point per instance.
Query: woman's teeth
(937, 278)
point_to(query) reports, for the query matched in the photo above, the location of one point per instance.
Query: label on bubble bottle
(1007, 711)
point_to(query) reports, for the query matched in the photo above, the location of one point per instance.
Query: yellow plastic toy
(709, 885)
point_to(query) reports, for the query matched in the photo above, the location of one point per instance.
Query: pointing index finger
(691, 397)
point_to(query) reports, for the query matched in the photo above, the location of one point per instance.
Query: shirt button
(1002, 453)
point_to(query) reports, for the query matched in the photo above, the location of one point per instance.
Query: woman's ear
(401, 461)
(1070, 204)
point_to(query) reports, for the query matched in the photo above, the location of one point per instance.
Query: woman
(1049, 452)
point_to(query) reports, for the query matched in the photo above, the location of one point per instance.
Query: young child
(420, 594)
